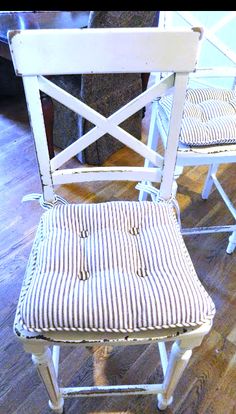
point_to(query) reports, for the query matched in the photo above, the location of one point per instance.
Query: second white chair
(207, 137)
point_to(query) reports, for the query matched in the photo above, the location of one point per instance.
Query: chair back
(37, 54)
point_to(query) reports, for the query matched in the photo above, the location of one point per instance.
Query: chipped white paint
(45, 58)
(173, 367)
(47, 372)
(78, 175)
(101, 391)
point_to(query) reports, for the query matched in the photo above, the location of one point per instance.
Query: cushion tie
(134, 231)
(142, 270)
(83, 273)
(155, 196)
(44, 204)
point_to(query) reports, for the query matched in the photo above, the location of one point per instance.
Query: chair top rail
(36, 52)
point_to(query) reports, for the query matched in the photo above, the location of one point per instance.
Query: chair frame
(132, 55)
(192, 157)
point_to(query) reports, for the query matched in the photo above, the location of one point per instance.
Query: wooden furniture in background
(105, 93)
(40, 20)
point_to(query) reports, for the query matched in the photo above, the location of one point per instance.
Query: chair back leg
(180, 354)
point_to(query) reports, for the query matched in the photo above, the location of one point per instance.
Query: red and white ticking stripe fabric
(209, 116)
(111, 267)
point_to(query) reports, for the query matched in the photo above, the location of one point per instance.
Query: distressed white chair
(207, 137)
(81, 286)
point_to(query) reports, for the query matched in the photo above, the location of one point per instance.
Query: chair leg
(232, 243)
(42, 358)
(209, 181)
(178, 360)
(180, 354)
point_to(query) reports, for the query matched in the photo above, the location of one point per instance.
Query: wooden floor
(208, 385)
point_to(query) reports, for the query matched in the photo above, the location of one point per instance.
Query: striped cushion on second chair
(209, 116)
(111, 267)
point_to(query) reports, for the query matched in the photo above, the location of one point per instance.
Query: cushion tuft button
(134, 231)
(83, 274)
(83, 234)
(142, 272)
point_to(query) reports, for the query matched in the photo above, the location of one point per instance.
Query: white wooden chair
(207, 137)
(81, 286)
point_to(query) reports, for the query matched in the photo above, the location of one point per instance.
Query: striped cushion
(111, 267)
(209, 116)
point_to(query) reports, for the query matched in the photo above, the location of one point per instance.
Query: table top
(41, 20)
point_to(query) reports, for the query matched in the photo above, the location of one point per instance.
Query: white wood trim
(189, 157)
(209, 181)
(136, 145)
(163, 356)
(56, 357)
(93, 135)
(188, 231)
(71, 102)
(108, 390)
(232, 243)
(146, 48)
(181, 81)
(75, 148)
(103, 124)
(44, 364)
(38, 128)
(178, 360)
(144, 98)
(79, 175)
(113, 338)
(152, 142)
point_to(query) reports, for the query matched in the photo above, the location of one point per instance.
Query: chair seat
(209, 116)
(111, 267)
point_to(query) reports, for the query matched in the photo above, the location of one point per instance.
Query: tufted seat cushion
(209, 116)
(112, 267)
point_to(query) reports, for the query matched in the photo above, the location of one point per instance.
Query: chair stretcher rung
(108, 390)
(211, 229)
